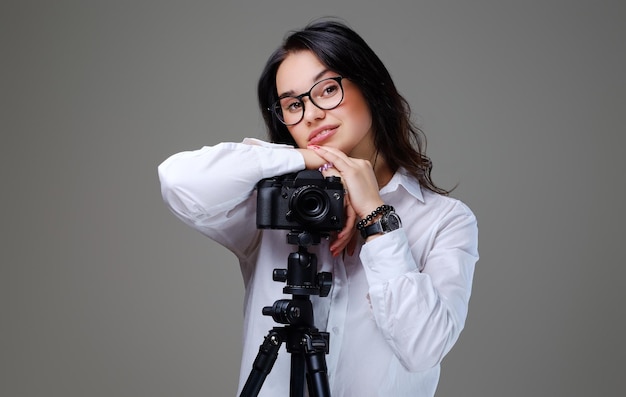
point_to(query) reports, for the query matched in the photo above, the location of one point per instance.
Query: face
(348, 127)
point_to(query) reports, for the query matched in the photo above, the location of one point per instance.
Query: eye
(331, 89)
(291, 104)
(325, 89)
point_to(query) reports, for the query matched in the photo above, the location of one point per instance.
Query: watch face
(393, 221)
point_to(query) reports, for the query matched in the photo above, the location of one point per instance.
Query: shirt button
(335, 330)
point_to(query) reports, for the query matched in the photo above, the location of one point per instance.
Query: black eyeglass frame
(276, 108)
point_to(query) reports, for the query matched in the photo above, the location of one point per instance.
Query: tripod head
(302, 280)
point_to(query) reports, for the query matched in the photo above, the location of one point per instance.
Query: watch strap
(374, 228)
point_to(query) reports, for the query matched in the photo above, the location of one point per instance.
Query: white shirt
(396, 307)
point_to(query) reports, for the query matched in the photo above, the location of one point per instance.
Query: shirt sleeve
(422, 313)
(211, 189)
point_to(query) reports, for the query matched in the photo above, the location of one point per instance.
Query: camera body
(302, 201)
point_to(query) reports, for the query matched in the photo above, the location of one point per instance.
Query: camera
(302, 201)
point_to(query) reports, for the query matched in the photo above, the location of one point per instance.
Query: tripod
(306, 343)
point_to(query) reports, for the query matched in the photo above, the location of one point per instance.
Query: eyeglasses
(326, 94)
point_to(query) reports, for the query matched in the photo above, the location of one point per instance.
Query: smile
(321, 135)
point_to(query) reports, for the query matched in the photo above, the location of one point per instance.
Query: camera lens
(309, 204)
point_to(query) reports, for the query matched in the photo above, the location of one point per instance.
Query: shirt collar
(403, 179)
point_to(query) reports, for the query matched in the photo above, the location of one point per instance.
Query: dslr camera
(302, 201)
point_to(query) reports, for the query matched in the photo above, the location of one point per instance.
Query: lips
(321, 134)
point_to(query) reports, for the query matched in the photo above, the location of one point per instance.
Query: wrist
(380, 221)
(312, 160)
(372, 216)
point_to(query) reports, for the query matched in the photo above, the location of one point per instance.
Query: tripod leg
(296, 384)
(317, 373)
(263, 363)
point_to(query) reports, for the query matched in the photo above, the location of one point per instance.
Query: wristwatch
(390, 221)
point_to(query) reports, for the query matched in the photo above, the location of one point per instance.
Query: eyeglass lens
(325, 94)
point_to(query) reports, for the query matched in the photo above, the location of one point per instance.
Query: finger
(347, 231)
(351, 247)
(351, 217)
(333, 155)
(338, 246)
(339, 243)
(345, 235)
(351, 213)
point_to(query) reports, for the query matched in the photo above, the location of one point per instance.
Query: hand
(358, 178)
(346, 237)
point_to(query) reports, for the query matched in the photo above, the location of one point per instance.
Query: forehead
(298, 72)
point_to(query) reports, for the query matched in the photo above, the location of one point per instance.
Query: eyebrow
(315, 79)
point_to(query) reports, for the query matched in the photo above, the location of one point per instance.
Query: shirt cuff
(387, 257)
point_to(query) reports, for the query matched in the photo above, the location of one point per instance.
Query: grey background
(105, 293)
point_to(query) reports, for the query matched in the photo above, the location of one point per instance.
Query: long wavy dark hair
(342, 50)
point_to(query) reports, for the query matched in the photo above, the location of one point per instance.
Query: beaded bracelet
(380, 210)
(325, 167)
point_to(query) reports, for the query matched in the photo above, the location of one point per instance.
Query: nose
(312, 112)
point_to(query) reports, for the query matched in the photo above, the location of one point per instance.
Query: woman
(404, 260)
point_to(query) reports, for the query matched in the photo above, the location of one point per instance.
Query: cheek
(298, 135)
(362, 117)
(366, 124)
